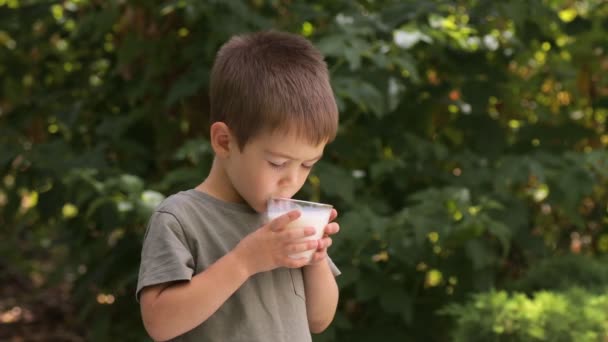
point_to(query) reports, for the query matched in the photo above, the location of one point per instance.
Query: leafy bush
(472, 142)
(575, 315)
(564, 272)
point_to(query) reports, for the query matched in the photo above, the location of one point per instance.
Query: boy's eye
(276, 165)
(308, 167)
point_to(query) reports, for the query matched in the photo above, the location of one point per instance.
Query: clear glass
(313, 214)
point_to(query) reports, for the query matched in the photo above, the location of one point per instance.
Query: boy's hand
(268, 247)
(330, 229)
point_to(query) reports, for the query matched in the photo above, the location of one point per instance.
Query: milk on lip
(310, 217)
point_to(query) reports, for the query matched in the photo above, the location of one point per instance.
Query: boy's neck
(218, 185)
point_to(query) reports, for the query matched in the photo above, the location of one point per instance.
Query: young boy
(212, 268)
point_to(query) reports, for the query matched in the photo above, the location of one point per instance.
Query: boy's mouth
(280, 196)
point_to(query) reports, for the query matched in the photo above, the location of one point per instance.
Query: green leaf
(131, 183)
(502, 233)
(336, 182)
(480, 254)
(7, 153)
(332, 45)
(406, 62)
(349, 276)
(365, 95)
(366, 289)
(194, 150)
(187, 85)
(394, 299)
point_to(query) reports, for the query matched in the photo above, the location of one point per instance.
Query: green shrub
(563, 272)
(471, 143)
(574, 315)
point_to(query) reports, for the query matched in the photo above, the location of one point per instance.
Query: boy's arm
(321, 295)
(320, 283)
(171, 309)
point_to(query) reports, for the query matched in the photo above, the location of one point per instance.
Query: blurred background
(470, 169)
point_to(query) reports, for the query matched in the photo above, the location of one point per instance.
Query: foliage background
(472, 147)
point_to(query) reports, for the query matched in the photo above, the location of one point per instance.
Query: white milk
(310, 217)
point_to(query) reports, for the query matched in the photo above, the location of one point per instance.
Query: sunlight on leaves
(539, 194)
(152, 198)
(29, 199)
(103, 298)
(380, 257)
(183, 32)
(307, 29)
(602, 243)
(433, 278)
(69, 211)
(568, 14)
(57, 11)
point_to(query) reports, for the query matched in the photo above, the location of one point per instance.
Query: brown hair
(265, 81)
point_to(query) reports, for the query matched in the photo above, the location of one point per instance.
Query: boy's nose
(290, 178)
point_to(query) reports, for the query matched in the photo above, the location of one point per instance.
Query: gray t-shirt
(187, 233)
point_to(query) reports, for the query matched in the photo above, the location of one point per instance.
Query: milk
(310, 217)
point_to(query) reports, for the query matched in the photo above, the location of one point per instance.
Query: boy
(212, 269)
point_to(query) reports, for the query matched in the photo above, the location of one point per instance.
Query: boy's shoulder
(193, 214)
(183, 203)
(175, 202)
(192, 207)
(189, 203)
(177, 212)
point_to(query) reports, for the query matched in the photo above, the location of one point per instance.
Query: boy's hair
(268, 81)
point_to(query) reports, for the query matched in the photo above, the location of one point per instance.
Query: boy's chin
(259, 208)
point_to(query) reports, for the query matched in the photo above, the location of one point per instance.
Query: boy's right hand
(269, 247)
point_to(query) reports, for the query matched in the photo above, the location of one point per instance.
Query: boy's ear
(222, 140)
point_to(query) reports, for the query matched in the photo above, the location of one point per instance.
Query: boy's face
(271, 165)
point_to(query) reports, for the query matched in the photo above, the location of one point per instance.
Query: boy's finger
(302, 246)
(296, 263)
(324, 243)
(332, 228)
(333, 215)
(318, 256)
(280, 222)
(297, 233)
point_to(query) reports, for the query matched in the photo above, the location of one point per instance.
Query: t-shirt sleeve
(165, 255)
(334, 269)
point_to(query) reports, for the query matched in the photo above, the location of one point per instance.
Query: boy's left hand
(330, 229)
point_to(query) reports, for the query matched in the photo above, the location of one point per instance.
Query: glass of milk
(313, 214)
